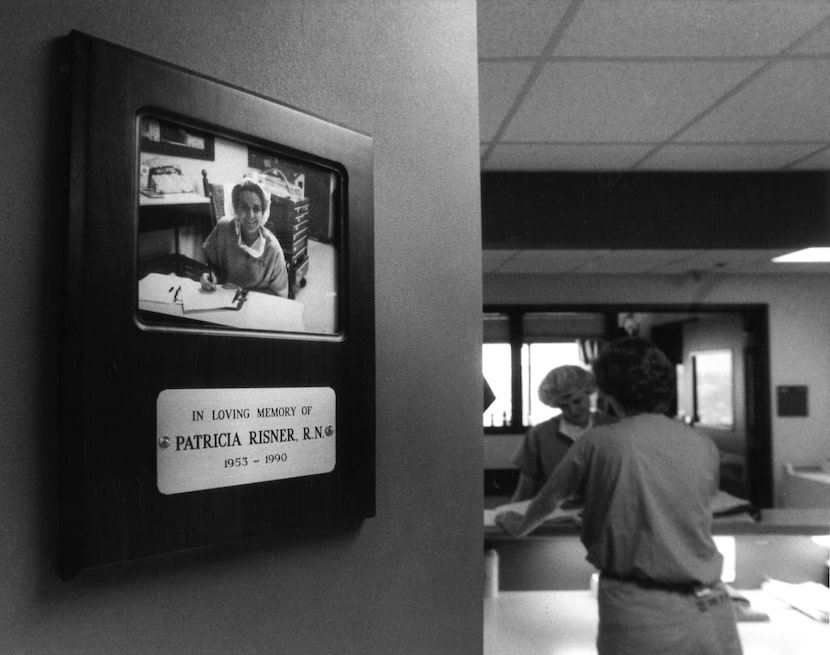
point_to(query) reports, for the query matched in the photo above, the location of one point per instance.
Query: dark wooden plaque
(120, 366)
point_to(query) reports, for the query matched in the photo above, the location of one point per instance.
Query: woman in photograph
(241, 252)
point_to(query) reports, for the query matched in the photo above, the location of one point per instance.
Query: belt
(705, 596)
(696, 589)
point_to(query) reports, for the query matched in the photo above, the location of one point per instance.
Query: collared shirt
(257, 248)
(545, 444)
(648, 482)
(261, 266)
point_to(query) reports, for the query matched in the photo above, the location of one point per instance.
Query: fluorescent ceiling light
(804, 256)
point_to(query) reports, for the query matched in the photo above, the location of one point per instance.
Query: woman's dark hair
(635, 373)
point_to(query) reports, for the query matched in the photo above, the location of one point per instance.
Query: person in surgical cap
(567, 388)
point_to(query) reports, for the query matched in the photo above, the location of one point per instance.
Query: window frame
(517, 338)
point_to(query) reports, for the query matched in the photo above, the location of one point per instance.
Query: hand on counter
(511, 522)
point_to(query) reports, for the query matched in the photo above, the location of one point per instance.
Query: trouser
(638, 620)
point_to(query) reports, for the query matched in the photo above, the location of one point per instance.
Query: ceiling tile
(731, 260)
(682, 262)
(498, 86)
(569, 255)
(726, 157)
(536, 262)
(820, 161)
(682, 28)
(613, 102)
(643, 262)
(516, 28)
(788, 102)
(770, 268)
(571, 157)
(817, 43)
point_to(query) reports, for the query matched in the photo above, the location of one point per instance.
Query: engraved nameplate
(213, 438)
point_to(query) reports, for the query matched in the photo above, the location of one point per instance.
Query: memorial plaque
(212, 438)
(188, 421)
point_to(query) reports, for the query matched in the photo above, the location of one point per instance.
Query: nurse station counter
(543, 600)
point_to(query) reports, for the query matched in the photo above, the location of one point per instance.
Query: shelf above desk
(174, 211)
(191, 198)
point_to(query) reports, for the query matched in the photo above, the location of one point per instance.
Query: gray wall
(410, 579)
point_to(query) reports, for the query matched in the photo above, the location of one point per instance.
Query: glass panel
(714, 407)
(495, 358)
(537, 361)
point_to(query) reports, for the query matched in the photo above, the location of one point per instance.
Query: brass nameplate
(212, 438)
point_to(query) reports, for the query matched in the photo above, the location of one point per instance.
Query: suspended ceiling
(653, 85)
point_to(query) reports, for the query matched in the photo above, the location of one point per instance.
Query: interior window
(497, 370)
(538, 359)
(520, 347)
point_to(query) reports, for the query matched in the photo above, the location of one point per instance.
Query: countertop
(565, 623)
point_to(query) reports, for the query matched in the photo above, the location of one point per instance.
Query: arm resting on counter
(519, 525)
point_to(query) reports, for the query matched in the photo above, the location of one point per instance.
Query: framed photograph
(218, 357)
(195, 270)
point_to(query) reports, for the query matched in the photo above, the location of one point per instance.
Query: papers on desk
(170, 289)
(565, 512)
(727, 505)
(196, 299)
(182, 297)
(156, 287)
(724, 505)
(810, 598)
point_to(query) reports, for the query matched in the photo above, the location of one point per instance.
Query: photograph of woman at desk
(228, 240)
(241, 251)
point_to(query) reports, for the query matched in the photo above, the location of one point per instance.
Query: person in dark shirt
(567, 388)
(241, 251)
(648, 483)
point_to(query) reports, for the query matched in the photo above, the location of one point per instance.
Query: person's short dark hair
(635, 373)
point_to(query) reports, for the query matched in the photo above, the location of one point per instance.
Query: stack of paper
(811, 598)
(196, 299)
(564, 513)
(156, 287)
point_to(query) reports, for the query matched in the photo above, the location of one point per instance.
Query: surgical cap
(565, 380)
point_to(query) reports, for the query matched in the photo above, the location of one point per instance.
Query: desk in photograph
(260, 311)
(565, 623)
